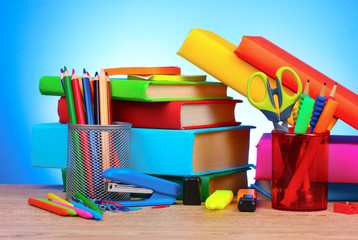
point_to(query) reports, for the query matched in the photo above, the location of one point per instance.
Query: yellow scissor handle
(265, 104)
(287, 101)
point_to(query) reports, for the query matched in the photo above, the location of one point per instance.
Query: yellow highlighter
(52, 196)
(219, 199)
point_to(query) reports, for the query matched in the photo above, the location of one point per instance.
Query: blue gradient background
(38, 37)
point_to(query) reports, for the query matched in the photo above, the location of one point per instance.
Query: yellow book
(216, 56)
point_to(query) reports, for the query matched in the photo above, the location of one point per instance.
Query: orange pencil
(103, 99)
(327, 113)
(78, 98)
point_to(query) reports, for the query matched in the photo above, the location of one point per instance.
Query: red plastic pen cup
(299, 171)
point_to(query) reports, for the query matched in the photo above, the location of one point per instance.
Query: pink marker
(80, 212)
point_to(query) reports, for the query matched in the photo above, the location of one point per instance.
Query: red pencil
(78, 98)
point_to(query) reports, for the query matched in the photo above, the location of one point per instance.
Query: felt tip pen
(48, 207)
(96, 215)
(80, 212)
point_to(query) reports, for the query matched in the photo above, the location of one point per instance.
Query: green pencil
(69, 98)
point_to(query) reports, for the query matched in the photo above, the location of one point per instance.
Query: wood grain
(19, 220)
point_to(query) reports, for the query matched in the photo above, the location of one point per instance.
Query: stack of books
(181, 125)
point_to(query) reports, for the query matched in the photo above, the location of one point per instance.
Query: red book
(268, 57)
(169, 115)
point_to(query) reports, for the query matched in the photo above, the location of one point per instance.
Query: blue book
(157, 151)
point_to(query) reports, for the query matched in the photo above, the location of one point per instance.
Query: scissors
(267, 106)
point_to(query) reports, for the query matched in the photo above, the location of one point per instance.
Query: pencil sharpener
(247, 203)
(346, 208)
(191, 190)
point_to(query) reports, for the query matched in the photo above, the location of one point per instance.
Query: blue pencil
(87, 95)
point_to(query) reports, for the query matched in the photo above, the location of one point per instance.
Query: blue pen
(96, 215)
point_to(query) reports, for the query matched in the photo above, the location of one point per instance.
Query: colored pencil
(109, 100)
(87, 96)
(78, 98)
(69, 98)
(103, 100)
(327, 113)
(91, 84)
(96, 104)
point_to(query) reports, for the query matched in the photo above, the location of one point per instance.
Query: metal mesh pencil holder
(91, 150)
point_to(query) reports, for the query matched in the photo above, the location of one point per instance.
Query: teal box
(49, 145)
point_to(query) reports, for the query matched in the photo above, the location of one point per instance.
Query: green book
(228, 180)
(149, 91)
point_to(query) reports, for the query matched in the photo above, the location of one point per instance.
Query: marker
(52, 196)
(219, 199)
(70, 211)
(318, 107)
(48, 207)
(80, 212)
(96, 215)
(87, 202)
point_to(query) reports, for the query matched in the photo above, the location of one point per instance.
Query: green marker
(70, 210)
(87, 202)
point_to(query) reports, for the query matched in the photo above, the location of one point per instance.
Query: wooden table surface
(19, 220)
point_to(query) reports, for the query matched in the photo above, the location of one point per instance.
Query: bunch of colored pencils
(88, 101)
